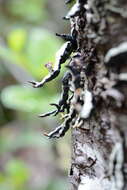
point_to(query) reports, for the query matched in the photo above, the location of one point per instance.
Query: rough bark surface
(99, 158)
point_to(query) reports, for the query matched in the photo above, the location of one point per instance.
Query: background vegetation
(28, 161)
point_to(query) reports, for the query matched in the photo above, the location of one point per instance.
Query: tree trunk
(99, 159)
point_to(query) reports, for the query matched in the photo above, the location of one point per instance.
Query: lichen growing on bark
(96, 108)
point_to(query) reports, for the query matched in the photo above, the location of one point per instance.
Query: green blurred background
(28, 160)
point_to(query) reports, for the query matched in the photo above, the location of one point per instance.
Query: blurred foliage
(27, 99)
(30, 10)
(57, 184)
(30, 50)
(30, 53)
(29, 138)
(15, 177)
(27, 45)
(17, 39)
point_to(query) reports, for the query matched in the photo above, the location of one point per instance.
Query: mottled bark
(99, 157)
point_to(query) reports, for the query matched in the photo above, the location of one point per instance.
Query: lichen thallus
(75, 96)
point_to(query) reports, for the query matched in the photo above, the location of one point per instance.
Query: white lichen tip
(88, 105)
(90, 184)
(73, 11)
(122, 76)
(122, 48)
(59, 54)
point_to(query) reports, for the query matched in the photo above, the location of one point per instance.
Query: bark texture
(99, 155)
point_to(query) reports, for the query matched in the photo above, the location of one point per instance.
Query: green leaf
(27, 99)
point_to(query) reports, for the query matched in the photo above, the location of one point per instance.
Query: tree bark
(99, 158)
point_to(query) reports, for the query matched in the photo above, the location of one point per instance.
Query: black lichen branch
(63, 128)
(48, 114)
(61, 56)
(80, 104)
(77, 106)
(64, 103)
(70, 37)
(77, 9)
